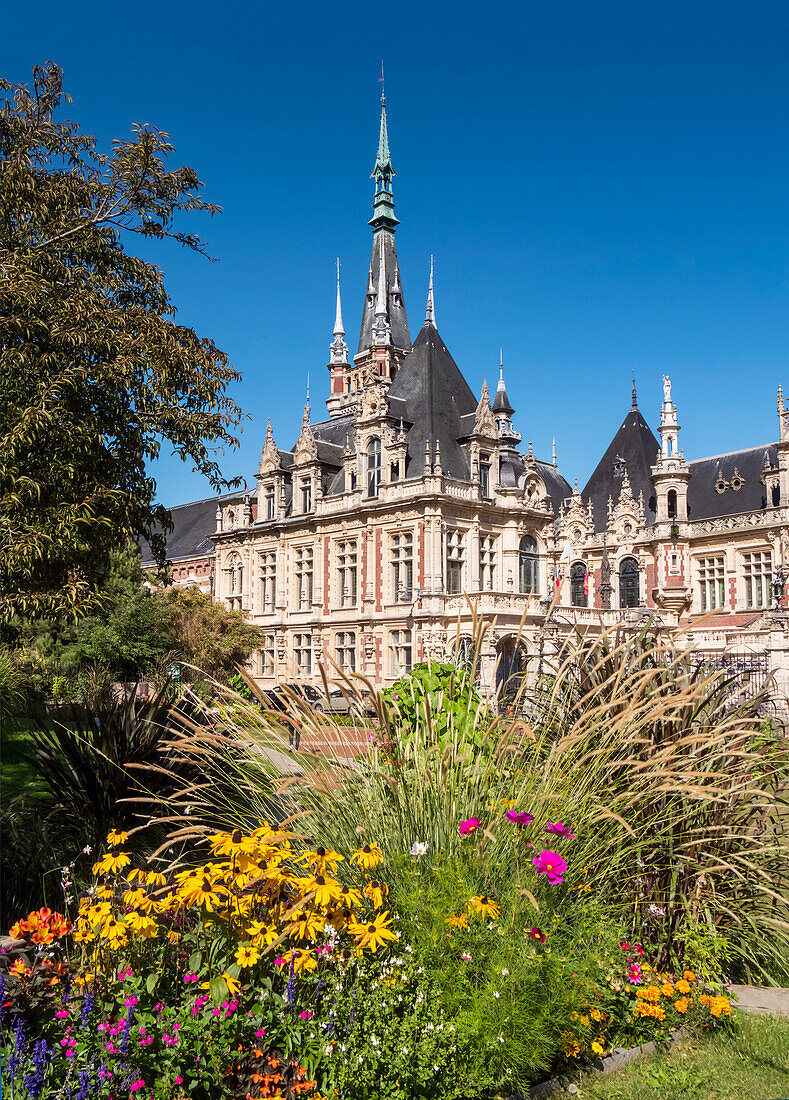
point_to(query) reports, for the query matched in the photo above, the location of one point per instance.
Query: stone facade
(371, 543)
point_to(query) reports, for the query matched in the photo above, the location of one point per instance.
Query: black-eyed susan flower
(111, 863)
(376, 891)
(198, 890)
(367, 857)
(350, 896)
(326, 889)
(374, 933)
(322, 859)
(247, 955)
(115, 838)
(459, 920)
(484, 905)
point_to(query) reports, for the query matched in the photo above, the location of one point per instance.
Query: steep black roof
(513, 470)
(501, 403)
(192, 523)
(635, 447)
(398, 321)
(436, 396)
(705, 502)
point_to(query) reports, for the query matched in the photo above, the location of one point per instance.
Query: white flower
(505, 972)
(405, 1050)
(360, 1059)
(496, 995)
(373, 1040)
(419, 847)
(500, 1039)
(435, 1068)
(87, 849)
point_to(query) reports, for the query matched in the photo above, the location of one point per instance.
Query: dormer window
(306, 495)
(484, 475)
(373, 467)
(269, 503)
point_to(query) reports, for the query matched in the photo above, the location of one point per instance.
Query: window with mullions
(267, 665)
(455, 560)
(373, 467)
(400, 652)
(268, 581)
(628, 583)
(269, 503)
(579, 585)
(346, 651)
(529, 566)
(712, 583)
(484, 475)
(402, 550)
(304, 578)
(487, 563)
(302, 651)
(757, 574)
(347, 555)
(306, 495)
(235, 582)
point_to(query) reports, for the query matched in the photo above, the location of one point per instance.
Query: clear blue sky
(604, 187)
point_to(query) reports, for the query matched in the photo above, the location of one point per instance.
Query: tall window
(306, 494)
(712, 583)
(235, 582)
(757, 569)
(302, 649)
(403, 565)
(455, 556)
(487, 563)
(672, 503)
(269, 503)
(529, 565)
(579, 585)
(484, 474)
(400, 652)
(373, 467)
(268, 581)
(347, 554)
(346, 651)
(267, 665)
(628, 583)
(304, 578)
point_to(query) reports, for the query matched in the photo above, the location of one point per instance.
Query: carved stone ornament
(576, 519)
(269, 456)
(534, 492)
(627, 512)
(484, 424)
(306, 449)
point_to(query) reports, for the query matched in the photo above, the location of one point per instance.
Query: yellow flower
(682, 986)
(350, 896)
(681, 1005)
(173, 937)
(598, 1049)
(322, 859)
(233, 985)
(141, 924)
(302, 960)
(376, 891)
(228, 844)
(326, 890)
(199, 891)
(115, 838)
(596, 1015)
(105, 892)
(374, 933)
(584, 1020)
(484, 905)
(689, 976)
(246, 955)
(368, 857)
(110, 863)
(650, 993)
(460, 921)
(308, 925)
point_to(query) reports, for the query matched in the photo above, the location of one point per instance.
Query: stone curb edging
(620, 1057)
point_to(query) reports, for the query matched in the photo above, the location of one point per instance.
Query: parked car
(316, 699)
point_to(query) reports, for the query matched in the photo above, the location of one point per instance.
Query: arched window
(628, 583)
(529, 565)
(672, 504)
(373, 467)
(579, 585)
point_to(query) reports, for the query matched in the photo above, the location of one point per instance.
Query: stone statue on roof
(666, 389)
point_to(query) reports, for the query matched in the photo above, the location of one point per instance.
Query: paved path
(752, 998)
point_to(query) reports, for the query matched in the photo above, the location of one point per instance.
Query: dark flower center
(371, 928)
(375, 884)
(321, 852)
(237, 835)
(206, 886)
(484, 899)
(321, 881)
(366, 849)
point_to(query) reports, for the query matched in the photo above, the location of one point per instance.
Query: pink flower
(279, 960)
(260, 1033)
(467, 827)
(179, 1080)
(537, 934)
(466, 956)
(130, 1002)
(550, 864)
(559, 830)
(639, 950)
(306, 1015)
(138, 1084)
(519, 819)
(61, 1014)
(625, 945)
(634, 974)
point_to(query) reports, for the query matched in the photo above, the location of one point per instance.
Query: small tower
(670, 474)
(502, 412)
(338, 355)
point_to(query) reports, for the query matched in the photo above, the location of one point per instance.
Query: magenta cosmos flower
(518, 819)
(558, 829)
(467, 827)
(537, 934)
(551, 864)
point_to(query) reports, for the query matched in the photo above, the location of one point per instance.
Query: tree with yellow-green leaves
(96, 372)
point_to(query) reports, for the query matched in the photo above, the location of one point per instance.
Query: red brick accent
(325, 579)
(732, 593)
(651, 573)
(378, 580)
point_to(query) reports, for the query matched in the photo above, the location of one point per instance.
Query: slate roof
(398, 321)
(513, 474)
(704, 502)
(436, 397)
(636, 446)
(192, 523)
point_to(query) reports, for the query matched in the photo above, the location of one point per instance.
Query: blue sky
(604, 188)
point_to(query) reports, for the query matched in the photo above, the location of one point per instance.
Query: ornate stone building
(366, 543)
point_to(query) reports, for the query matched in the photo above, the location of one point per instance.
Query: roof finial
(308, 390)
(338, 348)
(383, 173)
(635, 397)
(554, 455)
(501, 364)
(338, 329)
(780, 398)
(430, 312)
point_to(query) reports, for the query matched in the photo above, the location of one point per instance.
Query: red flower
(467, 827)
(537, 934)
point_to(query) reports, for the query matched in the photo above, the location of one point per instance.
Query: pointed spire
(554, 456)
(383, 174)
(381, 330)
(437, 462)
(635, 395)
(430, 311)
(501, 403)
(338, 347)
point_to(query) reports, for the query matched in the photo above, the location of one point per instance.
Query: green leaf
(151, 982)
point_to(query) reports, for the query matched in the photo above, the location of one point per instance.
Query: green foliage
(95, 371)
(443, 698)
(238, 684)
(206, 635)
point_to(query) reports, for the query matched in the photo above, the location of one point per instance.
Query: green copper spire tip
(383, 173)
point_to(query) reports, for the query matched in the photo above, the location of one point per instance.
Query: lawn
(751, 1063)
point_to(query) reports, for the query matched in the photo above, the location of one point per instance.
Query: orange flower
(689, 976)
(681, 1005)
